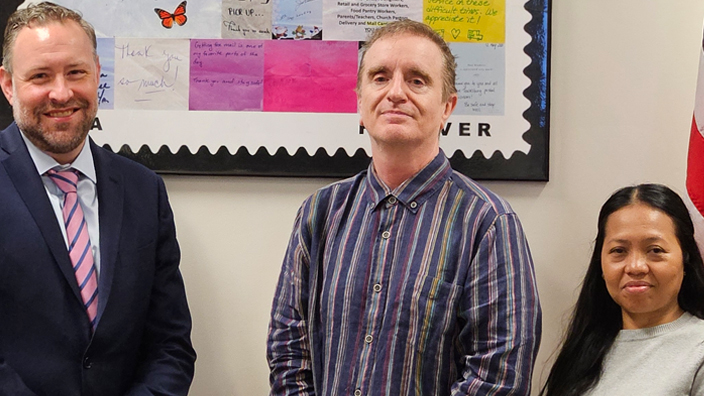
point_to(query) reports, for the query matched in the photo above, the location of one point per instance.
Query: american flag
(695, 159)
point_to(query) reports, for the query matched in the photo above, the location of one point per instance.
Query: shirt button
(413, 205)
(357, 392)
(377, 287)
(385, 234)
(392, 200)
(87, 363)
(368, 339)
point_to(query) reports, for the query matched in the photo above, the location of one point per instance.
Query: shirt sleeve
(288, 344)
(500, 313)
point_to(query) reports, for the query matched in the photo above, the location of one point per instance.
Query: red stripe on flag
(695, 168)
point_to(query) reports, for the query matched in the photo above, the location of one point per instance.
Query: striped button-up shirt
(428, 289)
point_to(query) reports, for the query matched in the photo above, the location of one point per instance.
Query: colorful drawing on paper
(297, 20)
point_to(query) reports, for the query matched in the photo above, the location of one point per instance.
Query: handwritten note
(356, 19)
(478, 21)
(248, 19)
(297, 19)
(106, 87)
(310, 76)
(151, 74)
(480, 78)
(226, 75)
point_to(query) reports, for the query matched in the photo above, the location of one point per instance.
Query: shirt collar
(413, 192)
(43, 161)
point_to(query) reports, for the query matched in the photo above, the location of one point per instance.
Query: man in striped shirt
(409, 278)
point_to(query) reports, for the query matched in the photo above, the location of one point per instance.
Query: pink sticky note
(310, 76)
(226, 75)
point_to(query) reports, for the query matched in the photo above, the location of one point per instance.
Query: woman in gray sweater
(637, 327)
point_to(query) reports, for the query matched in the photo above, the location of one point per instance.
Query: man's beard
(63, 137)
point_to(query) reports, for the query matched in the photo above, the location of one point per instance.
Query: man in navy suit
(136, 339)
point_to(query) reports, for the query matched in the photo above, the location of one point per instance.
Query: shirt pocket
(430, 321)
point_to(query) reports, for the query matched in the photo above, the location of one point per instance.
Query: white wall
(623, 78)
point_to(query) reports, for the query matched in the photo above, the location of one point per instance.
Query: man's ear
(6, 84)
(359, 106)
(450, 106)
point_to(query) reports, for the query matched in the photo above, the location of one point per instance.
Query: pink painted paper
(310, 76)
(226, 75)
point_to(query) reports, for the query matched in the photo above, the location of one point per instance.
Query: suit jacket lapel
(28, 183)
(110, 207)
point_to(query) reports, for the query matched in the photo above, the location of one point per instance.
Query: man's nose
(397, 89)
(61, 90)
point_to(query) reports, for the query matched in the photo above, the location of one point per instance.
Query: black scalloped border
(529, 167)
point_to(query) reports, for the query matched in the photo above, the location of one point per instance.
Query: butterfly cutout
(168, 19)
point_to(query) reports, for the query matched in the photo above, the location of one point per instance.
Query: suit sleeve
(502, 314)
(168, 358)
(288, 345)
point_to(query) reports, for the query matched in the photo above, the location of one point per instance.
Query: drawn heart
(455, 33)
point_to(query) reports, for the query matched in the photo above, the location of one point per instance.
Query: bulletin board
(266, 87)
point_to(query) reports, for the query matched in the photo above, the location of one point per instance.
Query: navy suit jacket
(141, 345)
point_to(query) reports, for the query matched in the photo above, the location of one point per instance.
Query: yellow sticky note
(474, 21)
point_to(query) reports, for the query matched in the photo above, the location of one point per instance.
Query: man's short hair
(40, 15)
(407, 26)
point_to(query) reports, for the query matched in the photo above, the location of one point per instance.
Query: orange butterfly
(167, 18)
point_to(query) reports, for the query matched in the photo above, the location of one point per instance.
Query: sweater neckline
(656, 331)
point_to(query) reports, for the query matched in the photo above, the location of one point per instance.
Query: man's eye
(380, 79)
(38, 76)
(76, 73)
(417, 82)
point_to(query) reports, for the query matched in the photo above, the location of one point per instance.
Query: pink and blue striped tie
(79, 248)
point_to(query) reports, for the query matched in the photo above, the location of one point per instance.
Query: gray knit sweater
(664, 360)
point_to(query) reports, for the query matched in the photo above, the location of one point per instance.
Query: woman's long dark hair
(596, 319)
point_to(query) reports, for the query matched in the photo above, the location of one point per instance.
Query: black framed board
(266, 87)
